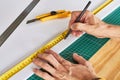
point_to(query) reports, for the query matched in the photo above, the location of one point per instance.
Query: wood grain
(107, 60)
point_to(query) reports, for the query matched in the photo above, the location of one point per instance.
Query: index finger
(74, 15)
(64, 62)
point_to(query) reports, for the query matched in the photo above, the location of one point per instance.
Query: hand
(89, 24)
(61, 69)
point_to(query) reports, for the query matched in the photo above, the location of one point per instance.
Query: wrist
(107, 30)
(112, 31)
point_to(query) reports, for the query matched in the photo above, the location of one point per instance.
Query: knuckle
(88, 12)
(44, 74)
(47, 56)
(88, 63)
(37, 71)
(75, 26)
(75, 12)
(51, 51)
(66, 63)
(40, 63)
(56, 72)
(63, 60)
(60, 67)
(36, 61)
(43, 64)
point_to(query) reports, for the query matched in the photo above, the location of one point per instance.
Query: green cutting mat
(87, 45)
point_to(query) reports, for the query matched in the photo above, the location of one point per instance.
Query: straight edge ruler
(29, 59)
(5, 35)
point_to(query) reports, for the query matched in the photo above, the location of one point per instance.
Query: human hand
(89, 24)
(61, 69)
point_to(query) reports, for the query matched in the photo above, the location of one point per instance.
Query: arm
(93, 26)
(113, 31)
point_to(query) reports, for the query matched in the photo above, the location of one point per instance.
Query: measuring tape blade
(50, 44)
(17, 21)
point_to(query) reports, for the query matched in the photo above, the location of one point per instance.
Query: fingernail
(75, 26)
(33, 59)
(75, 54)
(77, 35)
(46, 50)
(35, 69)
(72, 26)
(73, 34)
(39, 55)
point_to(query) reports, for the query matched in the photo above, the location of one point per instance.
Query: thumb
(79, 26)
(79, 59)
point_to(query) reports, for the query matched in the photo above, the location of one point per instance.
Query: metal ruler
(29, 59)
(17, 21)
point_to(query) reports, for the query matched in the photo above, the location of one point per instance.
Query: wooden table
(107, 60)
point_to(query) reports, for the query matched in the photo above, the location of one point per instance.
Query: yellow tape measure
(50, 44)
